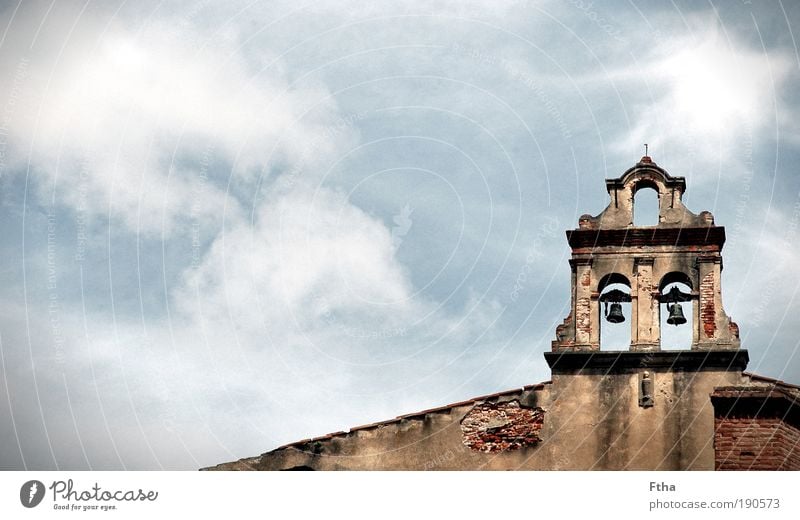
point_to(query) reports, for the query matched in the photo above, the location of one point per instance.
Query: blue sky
(230, 227)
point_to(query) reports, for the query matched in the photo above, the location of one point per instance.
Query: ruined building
(641, 409)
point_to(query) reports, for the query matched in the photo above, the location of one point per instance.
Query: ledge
(568, 362)
(756, 401)
(713, 236)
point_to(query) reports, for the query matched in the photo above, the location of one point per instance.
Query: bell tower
(676, 262)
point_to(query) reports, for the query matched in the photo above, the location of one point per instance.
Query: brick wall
(708, 314)
(491, 427)
(747, 443)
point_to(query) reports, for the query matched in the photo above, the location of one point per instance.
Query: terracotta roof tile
(422, 413)
(765, 379)
(760, 392)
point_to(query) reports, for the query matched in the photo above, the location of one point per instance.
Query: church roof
(422, 413)
(761, 388)
(787, 388)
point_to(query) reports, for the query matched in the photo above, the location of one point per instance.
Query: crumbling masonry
(638, 407)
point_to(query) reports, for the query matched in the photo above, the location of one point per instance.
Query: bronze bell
(615, 314)
(676, 315)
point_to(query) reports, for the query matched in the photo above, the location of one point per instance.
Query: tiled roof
(763, 388)
(755, 391)
(446, 408)
(440, 409)
(776, 382)
(764, 396)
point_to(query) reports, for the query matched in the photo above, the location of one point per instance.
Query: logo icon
(31, 493)
(403, 225)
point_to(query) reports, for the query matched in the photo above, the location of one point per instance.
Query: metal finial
(645, 149)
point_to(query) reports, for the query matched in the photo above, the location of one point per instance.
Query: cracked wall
(491, 427)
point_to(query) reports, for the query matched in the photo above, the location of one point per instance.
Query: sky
(229, 226)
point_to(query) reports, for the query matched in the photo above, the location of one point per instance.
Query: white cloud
(307, 253)
(304, 321)
(708, 94)
(301, 324)
(118, 123)
(315, 274)
(713, 86)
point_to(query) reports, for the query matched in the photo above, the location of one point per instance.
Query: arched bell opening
(615, 312)
(676, 309)
(645, 204)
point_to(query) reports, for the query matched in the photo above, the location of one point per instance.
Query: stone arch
(645, 210)
(645, 174)
(638, 183)
(612, 278)
(609, 248)
(614, 288)
(681, 337)
(673, 277)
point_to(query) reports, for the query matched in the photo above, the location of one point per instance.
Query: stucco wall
(589, 419)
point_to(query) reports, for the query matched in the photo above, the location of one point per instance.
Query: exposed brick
(734, 328)
(583, 321)
(707, 312)
(491, 427)
(746, 443)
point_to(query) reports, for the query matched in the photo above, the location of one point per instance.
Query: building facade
(642, 407)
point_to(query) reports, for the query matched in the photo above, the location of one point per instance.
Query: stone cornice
(687, 360)
(654, 236)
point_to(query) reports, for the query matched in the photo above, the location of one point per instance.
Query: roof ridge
(399, 418)
(772, 380)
